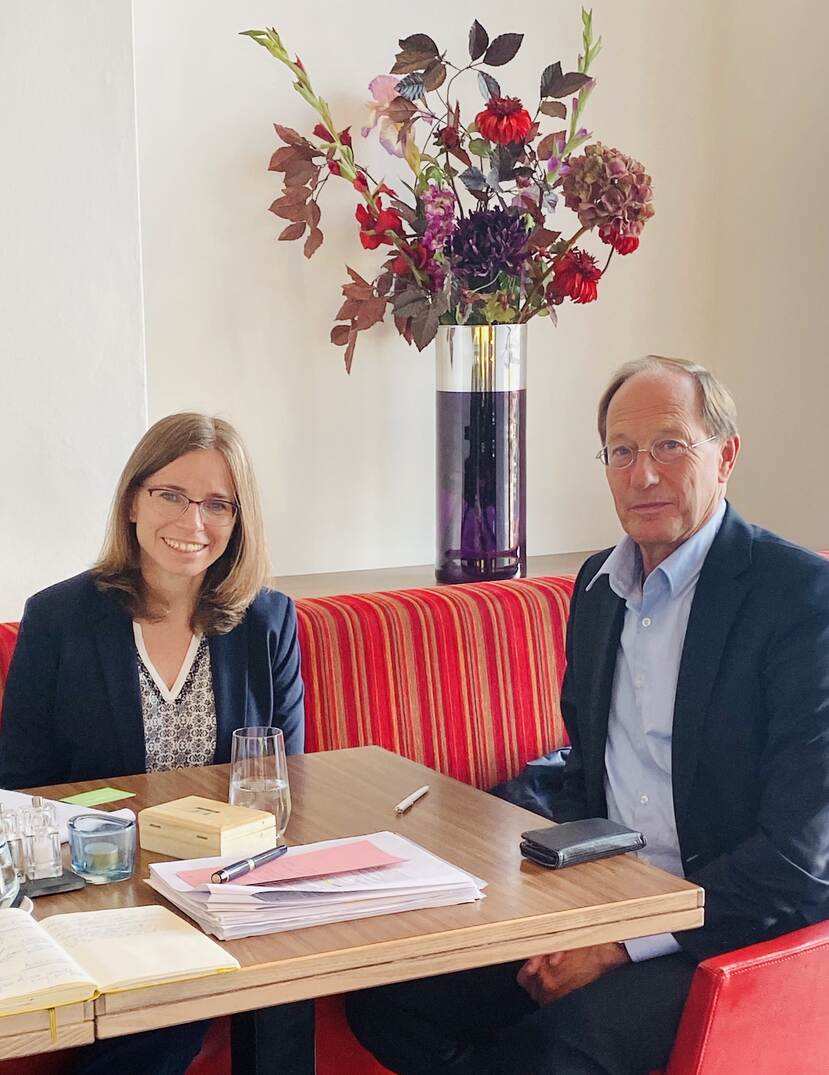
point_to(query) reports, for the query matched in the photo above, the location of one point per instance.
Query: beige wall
(769, 253)
(72, 391)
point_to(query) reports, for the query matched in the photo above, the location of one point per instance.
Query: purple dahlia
(486, 243)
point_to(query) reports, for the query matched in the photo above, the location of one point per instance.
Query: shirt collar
(623, 566)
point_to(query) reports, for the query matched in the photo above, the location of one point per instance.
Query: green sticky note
(98, 796)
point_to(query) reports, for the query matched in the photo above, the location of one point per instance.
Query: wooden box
(194, 827)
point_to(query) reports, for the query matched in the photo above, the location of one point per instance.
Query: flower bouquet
(471, 242)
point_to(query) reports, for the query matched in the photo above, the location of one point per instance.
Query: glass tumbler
(259, 773)
(102, 848)
(8, 876)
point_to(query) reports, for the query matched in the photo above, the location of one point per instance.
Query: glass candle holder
(102, 848)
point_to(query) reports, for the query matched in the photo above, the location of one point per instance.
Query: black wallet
(578, 841)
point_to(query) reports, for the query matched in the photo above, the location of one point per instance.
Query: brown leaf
(291, 211)
(418, 43)
(360, 292)
(502, 49)
(556, 84)
(349, 351)
(370, 313)
(313, 214)
(340, 334)
(425, 327)
(434, 76)
(404, 327)
(293, 231)
(405, 211)
(400, 109)
(478, 41)
(410, 302)
(281, 158)
(554, 108)
(299, 172)
(349, 310)
(541, 238)
(313, 242)
(462, 156)
(290, 136)
(294, 195)
(549, 144)
(356, 277)
(384, 284)
(410, 60)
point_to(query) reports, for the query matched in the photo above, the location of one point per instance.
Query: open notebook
(73, 957)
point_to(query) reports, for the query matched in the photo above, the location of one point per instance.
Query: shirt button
(646, 622)
(639, 680)
(643, 799)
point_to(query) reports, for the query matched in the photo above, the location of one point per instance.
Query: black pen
(239, 869)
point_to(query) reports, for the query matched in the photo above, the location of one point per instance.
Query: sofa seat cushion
(464, 679)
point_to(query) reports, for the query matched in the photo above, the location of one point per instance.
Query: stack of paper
(331, 881)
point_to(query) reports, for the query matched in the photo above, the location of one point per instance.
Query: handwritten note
(297, 863)
(34, 972)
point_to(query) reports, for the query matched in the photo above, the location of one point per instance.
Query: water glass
(259, 773)
(8, 876)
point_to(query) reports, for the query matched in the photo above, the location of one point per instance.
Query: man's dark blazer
(72, 706)
(750, 752)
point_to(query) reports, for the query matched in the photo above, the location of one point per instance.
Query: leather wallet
(578, 841)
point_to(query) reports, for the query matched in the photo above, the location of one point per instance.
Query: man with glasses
(696, 699)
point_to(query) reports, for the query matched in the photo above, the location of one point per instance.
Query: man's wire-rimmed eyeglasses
(667, 450)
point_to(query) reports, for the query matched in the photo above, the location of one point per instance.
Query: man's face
(660, 505)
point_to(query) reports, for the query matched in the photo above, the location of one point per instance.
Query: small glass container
(102, 848)
(8, 876)
(12, 832)
(43, 852)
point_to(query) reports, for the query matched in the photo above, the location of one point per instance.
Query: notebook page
(131, 946)
(35, 973)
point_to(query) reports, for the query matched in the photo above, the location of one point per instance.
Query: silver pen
(410, 800)
(239, 869)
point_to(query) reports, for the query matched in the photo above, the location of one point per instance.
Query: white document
(14, 800)
(230, 911)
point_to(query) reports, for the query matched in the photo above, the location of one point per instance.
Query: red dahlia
(622, 244)
(504, 120)
(576, 276)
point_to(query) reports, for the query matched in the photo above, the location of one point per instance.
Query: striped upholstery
(464, 679)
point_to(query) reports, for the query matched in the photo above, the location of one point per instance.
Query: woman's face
(176, 545)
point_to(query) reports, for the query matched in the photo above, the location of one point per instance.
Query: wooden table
(527, 909)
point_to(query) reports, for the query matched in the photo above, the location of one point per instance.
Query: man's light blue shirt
(638, 783)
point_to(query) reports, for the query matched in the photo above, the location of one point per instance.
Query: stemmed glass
(259, 773)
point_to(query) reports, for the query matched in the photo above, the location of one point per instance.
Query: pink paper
(296, 864)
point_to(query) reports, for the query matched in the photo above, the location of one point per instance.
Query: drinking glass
(8, 876)
(259, 773)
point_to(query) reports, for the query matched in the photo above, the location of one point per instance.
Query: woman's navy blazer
(72, 707)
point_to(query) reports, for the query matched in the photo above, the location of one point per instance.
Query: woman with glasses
(149, 662)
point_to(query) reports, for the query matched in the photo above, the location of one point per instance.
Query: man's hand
(548, 978)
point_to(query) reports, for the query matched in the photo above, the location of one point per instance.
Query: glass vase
(481, 452)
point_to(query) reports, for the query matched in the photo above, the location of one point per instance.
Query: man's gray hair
(719, 412)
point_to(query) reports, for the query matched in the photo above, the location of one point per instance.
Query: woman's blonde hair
(233, 581)
(719, 412)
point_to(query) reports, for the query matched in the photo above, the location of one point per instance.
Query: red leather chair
(761, 1010)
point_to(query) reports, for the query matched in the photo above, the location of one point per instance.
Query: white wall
(72, 391)
(238, 323)
(768, 163)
